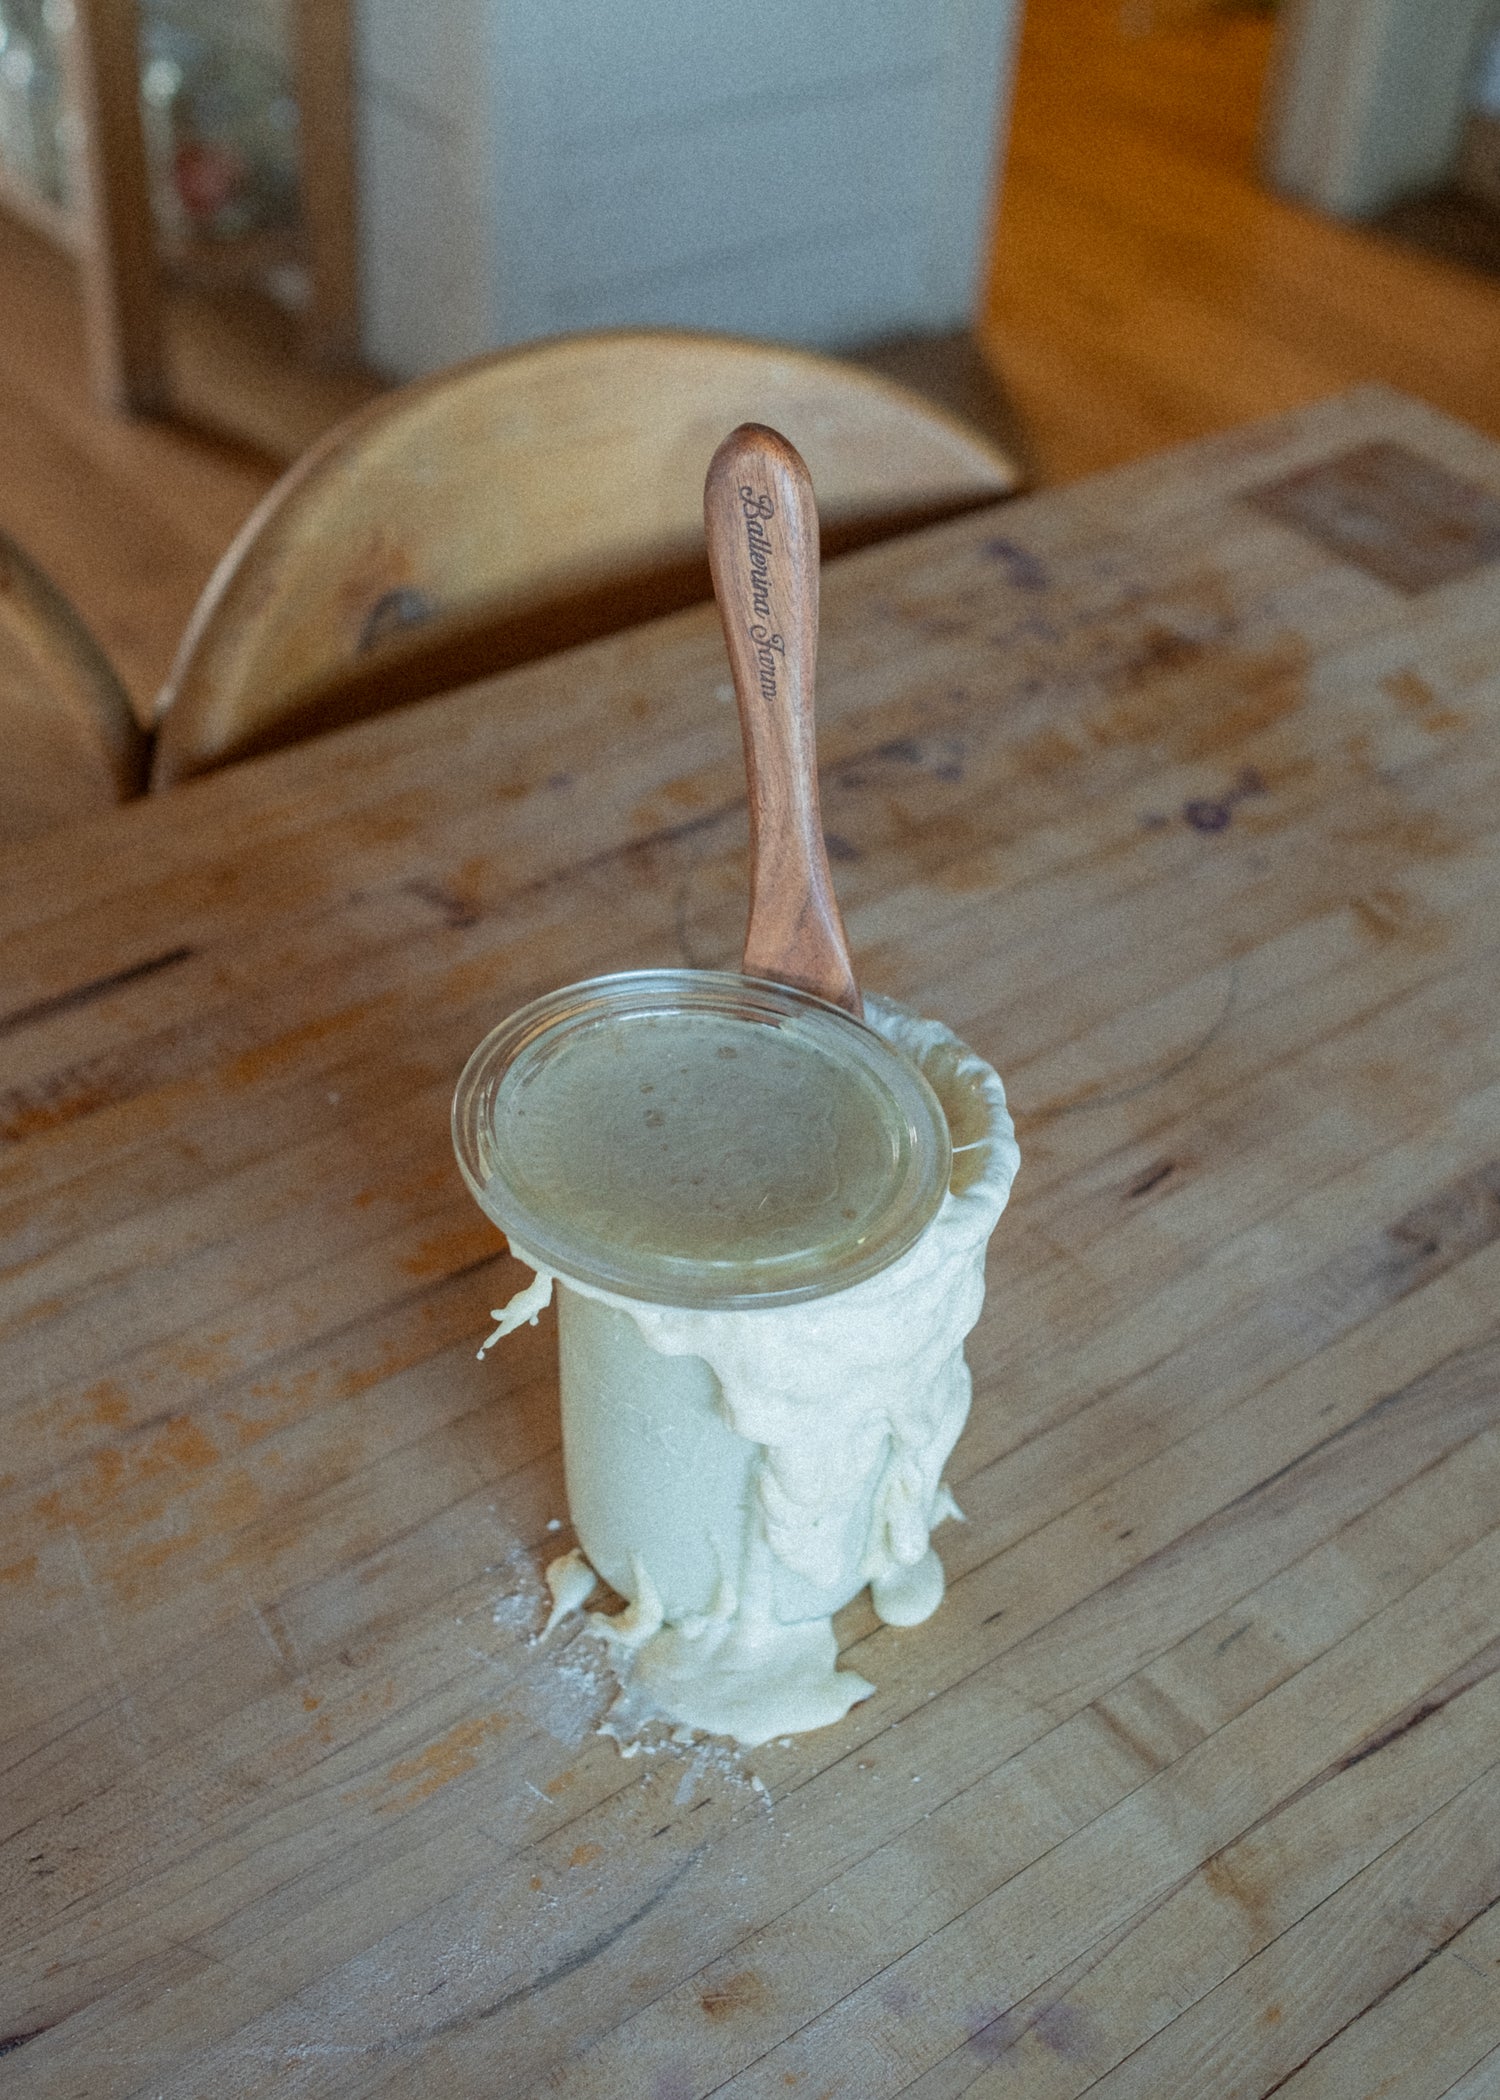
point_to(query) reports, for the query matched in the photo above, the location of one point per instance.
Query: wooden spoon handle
(762, 527)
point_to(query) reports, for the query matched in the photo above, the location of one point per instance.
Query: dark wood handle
(762, 527)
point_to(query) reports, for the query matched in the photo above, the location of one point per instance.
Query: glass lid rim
(686, 1280)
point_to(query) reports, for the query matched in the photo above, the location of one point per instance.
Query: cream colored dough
(740, 1475)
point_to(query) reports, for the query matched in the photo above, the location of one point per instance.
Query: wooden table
(1176, 793)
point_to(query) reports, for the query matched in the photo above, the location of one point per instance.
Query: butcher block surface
(1175, 792)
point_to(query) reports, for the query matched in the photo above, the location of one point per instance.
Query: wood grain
(761, 521)
(130, 517)
(72, 745)
(536, 492)
(1186, 821)
(1147, 288)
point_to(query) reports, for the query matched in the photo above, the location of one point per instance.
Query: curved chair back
(71, 744)
(519, 504)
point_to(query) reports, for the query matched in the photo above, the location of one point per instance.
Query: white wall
(816, 170)
(1368, 98)
(426, 131)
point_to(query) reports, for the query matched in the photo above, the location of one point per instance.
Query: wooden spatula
(762, 526)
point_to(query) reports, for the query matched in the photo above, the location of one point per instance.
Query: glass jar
(766, 1224)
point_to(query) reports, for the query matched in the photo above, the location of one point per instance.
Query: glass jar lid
(698, 1138)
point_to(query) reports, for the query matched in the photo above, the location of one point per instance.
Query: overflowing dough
(739, 1475)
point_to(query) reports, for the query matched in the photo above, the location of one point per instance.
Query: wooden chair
(71, 745)
(517, 505)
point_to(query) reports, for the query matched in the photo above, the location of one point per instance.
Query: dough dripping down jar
(765, 1221)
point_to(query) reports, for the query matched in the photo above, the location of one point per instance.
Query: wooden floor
(1145, 290)
(130, 518)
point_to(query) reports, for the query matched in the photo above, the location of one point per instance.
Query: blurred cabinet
(170, 140)
(815, 171)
